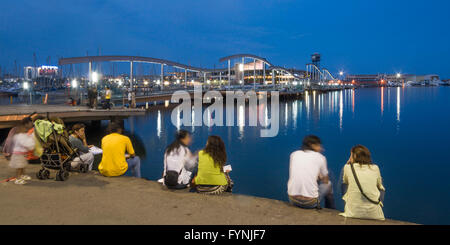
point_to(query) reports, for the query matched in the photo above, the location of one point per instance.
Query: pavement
(91, 199)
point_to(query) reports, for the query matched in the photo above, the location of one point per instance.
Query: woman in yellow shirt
(211, 178)
(364, 194)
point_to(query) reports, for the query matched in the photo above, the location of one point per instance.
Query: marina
(385, 119)
(224, 121)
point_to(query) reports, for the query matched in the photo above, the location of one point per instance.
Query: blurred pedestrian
(23, 143)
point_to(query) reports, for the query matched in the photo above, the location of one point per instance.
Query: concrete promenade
(93, 199)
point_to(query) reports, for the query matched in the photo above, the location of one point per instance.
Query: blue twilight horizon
(358, 37)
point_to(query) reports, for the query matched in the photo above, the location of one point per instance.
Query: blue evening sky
(357, 36)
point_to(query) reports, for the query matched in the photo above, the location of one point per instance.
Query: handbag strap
(165, 163)
(360, 188)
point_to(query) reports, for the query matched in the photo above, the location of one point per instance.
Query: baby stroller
(57, 154)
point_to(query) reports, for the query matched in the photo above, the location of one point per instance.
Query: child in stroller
(58, 153)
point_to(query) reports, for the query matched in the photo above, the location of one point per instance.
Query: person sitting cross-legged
(211, 178)
(179, 162)
(114, 161)
(309, 184)
(78, 140)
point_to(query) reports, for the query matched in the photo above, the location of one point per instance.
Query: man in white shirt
(308, 184)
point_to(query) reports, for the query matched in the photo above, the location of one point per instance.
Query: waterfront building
(253, 72)
(31, 73)
(365, 79)
(431, 79)
(392, 79)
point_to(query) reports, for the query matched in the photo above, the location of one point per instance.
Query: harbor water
(406, 129)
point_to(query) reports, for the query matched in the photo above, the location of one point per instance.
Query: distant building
(365, 80)
(381, 79)
(254, 72)
(422, 78)
(31, 73)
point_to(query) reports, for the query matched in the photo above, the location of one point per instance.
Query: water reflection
(353, 102)
(307, 104)
(398, 104)
(158, 124)
(241, 121)
(193, 119)
(341, 110)
(266, 116)
(294, 114)
(382, 100)
(314, 99)
(286, 111)
(328, 115)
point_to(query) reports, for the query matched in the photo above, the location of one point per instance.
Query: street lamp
(74, 83)
(241, 67)
(399, 75)
(94, 77)
(26, 86)
(341, 73)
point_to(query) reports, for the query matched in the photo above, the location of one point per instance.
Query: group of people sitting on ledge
(204, 171)
(309, 185)
(207, 172)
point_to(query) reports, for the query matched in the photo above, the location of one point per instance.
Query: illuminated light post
(74, 83)
(241, 69)
(94, 77)
(341, 75)
(399, 76)
(26, 87)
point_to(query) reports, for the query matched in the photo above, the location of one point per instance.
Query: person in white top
(23, 143)
(308, 184)
(362, 186)
(129, 98)
(179, 162)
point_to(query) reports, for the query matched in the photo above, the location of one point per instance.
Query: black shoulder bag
(360, 188)
(171, 177)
